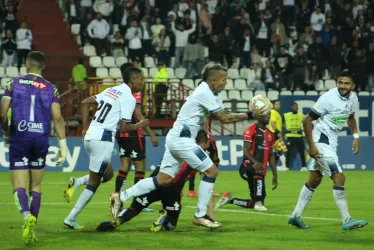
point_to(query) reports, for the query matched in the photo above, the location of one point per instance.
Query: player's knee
(108, 175)
(314, 182)
(338, 179)
(163, 180)
(212, 172)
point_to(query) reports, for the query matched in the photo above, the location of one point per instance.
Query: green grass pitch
(242, 228)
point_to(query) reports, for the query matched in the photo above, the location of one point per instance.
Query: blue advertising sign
(364, 114)
(230, 151)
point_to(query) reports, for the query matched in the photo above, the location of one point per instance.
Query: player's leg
(306, 193)
(256, 184)
(191, 187)
(139, 159)
(74, 183)
(125, 162)
(169, 168)
(19, 174)
(100, 153)
(340, 197)
(213, 154)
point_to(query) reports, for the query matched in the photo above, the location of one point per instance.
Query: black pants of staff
(160, 94)
(295, 145)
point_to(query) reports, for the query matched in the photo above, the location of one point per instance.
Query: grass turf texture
(242, 228)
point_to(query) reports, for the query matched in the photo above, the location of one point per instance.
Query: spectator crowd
(15, 38)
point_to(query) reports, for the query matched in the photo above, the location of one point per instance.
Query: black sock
(192, 183)
(139, 175)
(242, 202)
(259, 192)
(120, 180)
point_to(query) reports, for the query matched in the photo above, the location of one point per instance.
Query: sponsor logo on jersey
(36, 127)
(339, 120)
(114, 93)
(35, 84)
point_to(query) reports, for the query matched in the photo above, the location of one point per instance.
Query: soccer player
(331, 111)
(132, 147)
(170, 197)
(213, 154)
(115, 107)
(34, 101)
(181, 146)
(257, 153)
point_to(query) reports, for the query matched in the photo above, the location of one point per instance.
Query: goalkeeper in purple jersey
(34, 102)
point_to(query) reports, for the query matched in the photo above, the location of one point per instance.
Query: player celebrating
(170, 197)
(115, 107)
(132, 147)
(334, 108)
(33, 100)
(181, 146)
(258, 152)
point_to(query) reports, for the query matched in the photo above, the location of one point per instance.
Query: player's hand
(313, 152)
(275, 182)
(62, 152)
(258, 167)
(356, 146)
(155, 141)
(6, 139)
(143, 123)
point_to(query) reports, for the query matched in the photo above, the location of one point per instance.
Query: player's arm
(127, 109)
(84, 109)
(352, 124)
(247, 154)
(5, 104)
(273, 166)
(139, 116)
(227, 118)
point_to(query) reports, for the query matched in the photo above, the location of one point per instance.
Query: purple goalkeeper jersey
(32, 97)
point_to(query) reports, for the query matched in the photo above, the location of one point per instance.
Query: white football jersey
(195, 111)
(334, 111)
(115, 104)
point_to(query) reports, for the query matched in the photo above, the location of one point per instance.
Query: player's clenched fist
(62, 152)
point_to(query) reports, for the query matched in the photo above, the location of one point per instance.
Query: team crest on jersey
(270, 137)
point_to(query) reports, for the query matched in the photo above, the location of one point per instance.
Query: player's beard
(345, 93)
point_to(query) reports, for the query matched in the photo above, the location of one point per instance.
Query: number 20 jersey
(31, 99)
(114, 105)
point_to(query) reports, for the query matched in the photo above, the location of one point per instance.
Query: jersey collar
(35, 74)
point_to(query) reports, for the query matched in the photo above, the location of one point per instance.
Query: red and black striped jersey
(262, 144)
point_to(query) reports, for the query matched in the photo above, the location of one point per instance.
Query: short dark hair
(125, 66)
(294, 103)
(211, 68)
(347, 73)
(127, 74)
(36, 59)
(274, 101)
(202, 136)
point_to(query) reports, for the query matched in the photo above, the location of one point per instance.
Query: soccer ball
(260, 101)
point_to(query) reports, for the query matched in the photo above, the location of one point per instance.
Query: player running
(181, 146)
(33, 101)
(132, 147)
(115, 108)
(169, 196)
(257, 153)
(333, 108)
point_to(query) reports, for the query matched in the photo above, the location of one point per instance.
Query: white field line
(244, 211)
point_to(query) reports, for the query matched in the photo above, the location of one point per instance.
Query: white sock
(341, 202)
(142, 187)
(84, 180)
(81, 181)
(305, 197)
(204, 195)
(82, 201)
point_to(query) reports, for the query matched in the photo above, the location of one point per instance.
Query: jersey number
(32, 108)
(105, 109)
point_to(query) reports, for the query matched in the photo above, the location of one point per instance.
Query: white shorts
(181, 149)
(328, 163)
(100, 154)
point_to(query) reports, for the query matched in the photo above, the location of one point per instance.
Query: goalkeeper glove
(62, 152)
(6, 138)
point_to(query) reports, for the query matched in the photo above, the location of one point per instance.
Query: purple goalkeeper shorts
(28, 154)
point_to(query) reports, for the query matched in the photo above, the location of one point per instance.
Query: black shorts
(169, 196)
(213, 152)
(132, 147)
